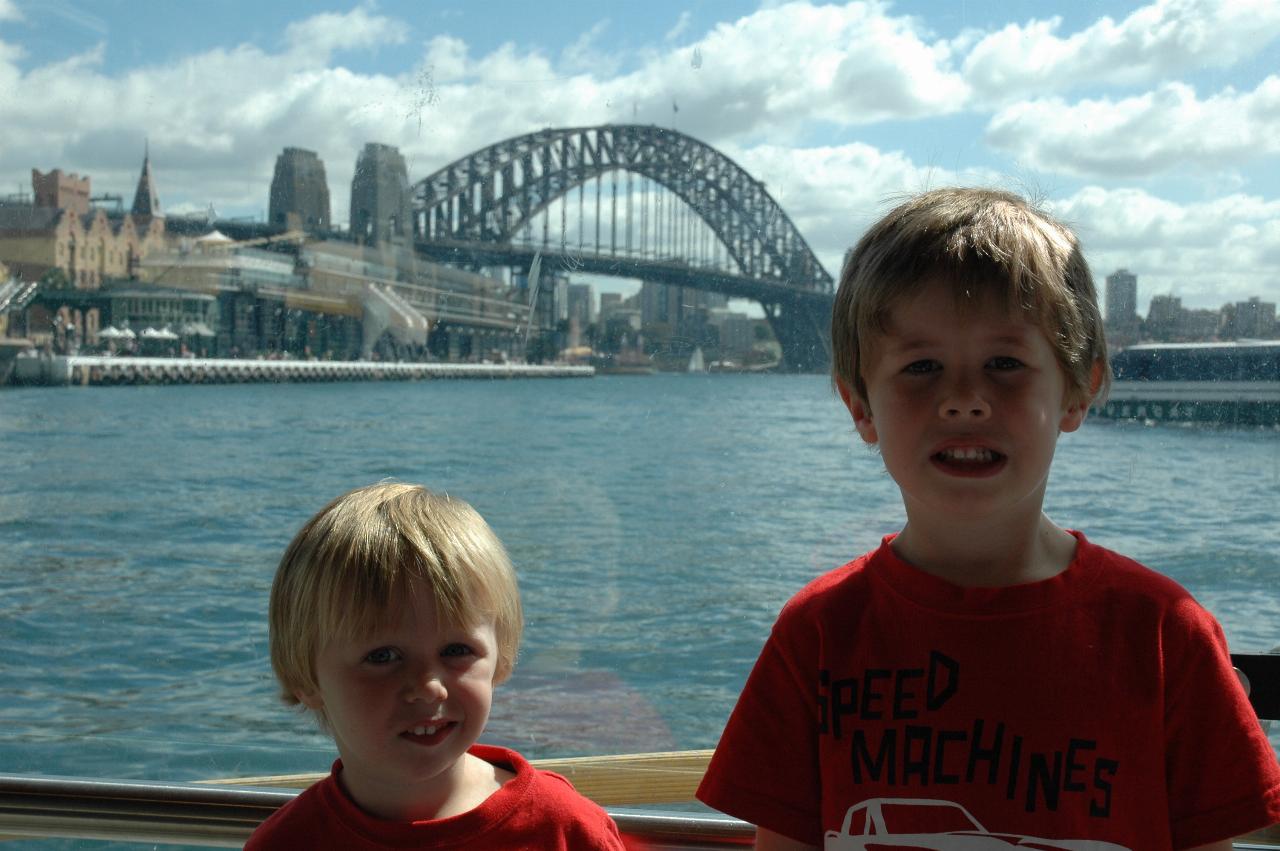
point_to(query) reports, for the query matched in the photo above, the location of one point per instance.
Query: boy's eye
(1004, 363)
(456, 649)
(382, 656)
(920, 367)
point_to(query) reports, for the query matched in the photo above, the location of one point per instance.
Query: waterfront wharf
(61, 370)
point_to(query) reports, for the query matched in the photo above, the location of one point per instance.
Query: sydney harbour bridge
(633, 201)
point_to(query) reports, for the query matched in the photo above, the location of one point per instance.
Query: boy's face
(405, 704)
(966, 406)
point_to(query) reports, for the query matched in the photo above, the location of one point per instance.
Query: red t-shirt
(1100, 704)
(536, 810)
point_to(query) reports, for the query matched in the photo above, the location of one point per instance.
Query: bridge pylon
(802, 329)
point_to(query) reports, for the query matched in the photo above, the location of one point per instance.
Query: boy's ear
(310, 699)
(1074, 415)
(1095, 379)
(1078, 407)
(859, 410)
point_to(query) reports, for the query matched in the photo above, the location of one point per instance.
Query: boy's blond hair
(353, 560)
(987, 244)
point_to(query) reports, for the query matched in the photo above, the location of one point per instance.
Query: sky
(1151, 128)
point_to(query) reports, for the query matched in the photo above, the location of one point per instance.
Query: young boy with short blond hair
(985, 671)
(393, 614)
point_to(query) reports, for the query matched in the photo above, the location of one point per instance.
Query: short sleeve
(585, 823)
(1221, 772)
(766, 768)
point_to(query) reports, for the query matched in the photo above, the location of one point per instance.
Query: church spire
(145, 201)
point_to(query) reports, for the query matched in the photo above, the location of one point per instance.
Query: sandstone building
(60, 229)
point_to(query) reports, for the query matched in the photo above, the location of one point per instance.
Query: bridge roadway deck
(97, 370)
(657, 270)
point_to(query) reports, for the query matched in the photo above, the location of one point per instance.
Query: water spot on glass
(424, 95)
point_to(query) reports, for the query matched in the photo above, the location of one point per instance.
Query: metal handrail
(225, 816)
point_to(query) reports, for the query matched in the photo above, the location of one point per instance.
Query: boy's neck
(473, 781)
(991, 557)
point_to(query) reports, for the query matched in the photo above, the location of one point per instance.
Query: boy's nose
(426, 686)
(964, 403)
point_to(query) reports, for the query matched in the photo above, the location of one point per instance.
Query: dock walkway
(99, 370)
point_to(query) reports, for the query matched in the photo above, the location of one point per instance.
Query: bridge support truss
(487, 197)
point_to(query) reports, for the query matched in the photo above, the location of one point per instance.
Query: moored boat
(1234, 383)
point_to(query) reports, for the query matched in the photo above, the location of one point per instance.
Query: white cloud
(73, 14)
(216, 121)
(770, 73)
(321, 35)
(1208, 252)
(9, 11)
(1165, 37)
(584, 54)
(889, 71)
(681, 24)
(833, 193)
(1142, 135)
(10, 56)
(852, 64)
(447, 57)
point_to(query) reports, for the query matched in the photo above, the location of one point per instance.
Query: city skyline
(1114, 115)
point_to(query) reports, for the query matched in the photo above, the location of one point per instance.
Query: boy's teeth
(967, 453)
(424, 731)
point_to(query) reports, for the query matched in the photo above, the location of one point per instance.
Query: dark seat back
(1262, 677)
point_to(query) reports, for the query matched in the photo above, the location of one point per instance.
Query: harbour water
(657, 522)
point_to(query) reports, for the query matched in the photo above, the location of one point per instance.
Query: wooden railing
(636, 779)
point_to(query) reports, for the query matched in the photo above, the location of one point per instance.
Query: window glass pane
(662, 193)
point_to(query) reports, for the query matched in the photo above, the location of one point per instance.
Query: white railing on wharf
(1195, 391)
(97, 369)
(1246, 403)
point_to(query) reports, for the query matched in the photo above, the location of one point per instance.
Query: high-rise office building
(299, 187)
(1121, 298)
(380, 195)
(582, 304)
(1253, 319)
(609, 303)
(1164, 317)
(1121, 303)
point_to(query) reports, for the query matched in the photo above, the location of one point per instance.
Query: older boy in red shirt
(984, 672)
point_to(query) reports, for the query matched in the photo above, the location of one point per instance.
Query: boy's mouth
(969, 460)
(429, 734)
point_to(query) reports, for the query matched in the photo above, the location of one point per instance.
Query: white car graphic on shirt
(936, 825)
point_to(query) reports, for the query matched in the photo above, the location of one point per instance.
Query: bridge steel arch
(488, 195)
